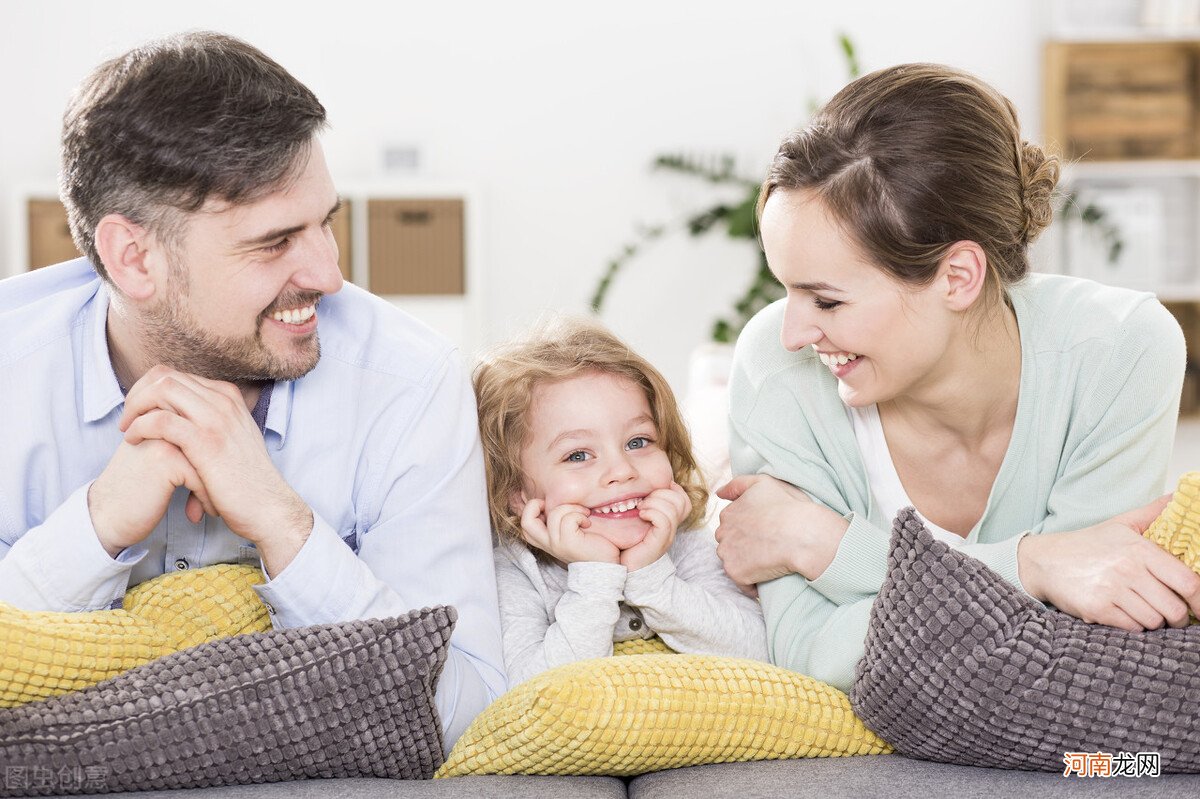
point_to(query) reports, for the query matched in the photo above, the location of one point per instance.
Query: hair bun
(1039, 176)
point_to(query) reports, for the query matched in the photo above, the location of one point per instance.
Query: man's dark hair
(168, 125)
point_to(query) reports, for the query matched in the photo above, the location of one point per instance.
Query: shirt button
(635, 624)
(182, 565)
(270, 610)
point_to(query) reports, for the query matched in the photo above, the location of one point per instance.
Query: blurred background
(505, 159)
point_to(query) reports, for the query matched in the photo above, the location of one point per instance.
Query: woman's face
(880, 339)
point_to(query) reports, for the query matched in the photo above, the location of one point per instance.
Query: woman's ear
(123, 248)
(965, 268)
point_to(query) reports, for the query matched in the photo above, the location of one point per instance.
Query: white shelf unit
(1154, 207)
(459, 317)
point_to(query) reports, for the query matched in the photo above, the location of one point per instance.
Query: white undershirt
(886, 488)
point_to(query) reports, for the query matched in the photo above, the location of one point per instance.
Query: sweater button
(635, 624)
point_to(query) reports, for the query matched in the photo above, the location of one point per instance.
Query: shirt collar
(101, 391)
(279, 413)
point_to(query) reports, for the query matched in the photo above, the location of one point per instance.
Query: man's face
(245, 283)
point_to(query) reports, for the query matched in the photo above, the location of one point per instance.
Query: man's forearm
(60, 565)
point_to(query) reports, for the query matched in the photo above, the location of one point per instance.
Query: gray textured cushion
(343, 700)
(892, 777)
(963, 667)
(515, 786)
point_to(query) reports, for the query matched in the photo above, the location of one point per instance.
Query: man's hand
(560, 534)
(771, 528)
(208, 422)
(1111, 574)
(131, 495)
(664, 509)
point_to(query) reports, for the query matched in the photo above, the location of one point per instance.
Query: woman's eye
(638, 443)
(578, 456)
(825, 305)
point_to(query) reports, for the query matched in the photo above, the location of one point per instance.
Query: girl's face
(879, 338)
(594, 443)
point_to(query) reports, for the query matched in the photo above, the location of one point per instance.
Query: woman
(915, 361)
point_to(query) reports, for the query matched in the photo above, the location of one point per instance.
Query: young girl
(594, 495)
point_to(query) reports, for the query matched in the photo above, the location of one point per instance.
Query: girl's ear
(517, 502)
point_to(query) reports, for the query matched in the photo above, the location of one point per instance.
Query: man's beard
(174, 338)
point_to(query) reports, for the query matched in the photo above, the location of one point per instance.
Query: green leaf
(741, 223)
(852, 65)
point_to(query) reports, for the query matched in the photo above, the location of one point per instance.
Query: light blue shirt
(380, 439)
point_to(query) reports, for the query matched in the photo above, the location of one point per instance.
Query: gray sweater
(552, 616)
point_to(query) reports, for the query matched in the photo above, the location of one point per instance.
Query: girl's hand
(560, 534)
(664, 509)
(771, 528)
(1110, 574)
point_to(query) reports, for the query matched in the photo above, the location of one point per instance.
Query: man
(203, 389)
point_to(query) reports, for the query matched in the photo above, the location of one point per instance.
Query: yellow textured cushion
(1177, 529)
(631, 715)
(642, 646)
(46, 654)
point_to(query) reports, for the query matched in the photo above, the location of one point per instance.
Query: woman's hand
(1111, 574)
(772, 528)
(560, 534)
(664, 509)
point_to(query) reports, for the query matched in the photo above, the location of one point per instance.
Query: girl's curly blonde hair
(559, 349)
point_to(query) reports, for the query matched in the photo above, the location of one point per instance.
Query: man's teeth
(619, 507)
(295, 316)
(837, 360)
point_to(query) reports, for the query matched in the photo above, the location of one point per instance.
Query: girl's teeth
(620, 507)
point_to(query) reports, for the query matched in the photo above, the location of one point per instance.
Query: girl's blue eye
(641, 442)
(578, 456)
(825, 305)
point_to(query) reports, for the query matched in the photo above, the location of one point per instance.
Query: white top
(886, 489)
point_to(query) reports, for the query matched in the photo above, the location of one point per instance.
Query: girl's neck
(973, 393)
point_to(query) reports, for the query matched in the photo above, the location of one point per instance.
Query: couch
(891, 776)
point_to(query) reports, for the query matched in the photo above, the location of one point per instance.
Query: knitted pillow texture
(622, 716)
(47, 654)
(642, 646)
(354, 699)
(963, 667)
(1177, 529)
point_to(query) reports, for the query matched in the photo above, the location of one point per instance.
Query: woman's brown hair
(913, 158)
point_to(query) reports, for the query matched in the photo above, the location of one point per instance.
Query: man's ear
(124, 248)
(965, 270)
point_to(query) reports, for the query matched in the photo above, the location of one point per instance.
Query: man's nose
(320, 270)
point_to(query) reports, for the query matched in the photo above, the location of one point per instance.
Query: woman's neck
(973, 394)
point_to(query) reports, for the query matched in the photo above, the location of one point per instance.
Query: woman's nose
(799, 330)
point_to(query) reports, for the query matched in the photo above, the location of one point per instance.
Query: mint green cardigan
(1101, 374)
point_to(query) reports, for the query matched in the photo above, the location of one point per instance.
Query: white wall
(554, 110)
